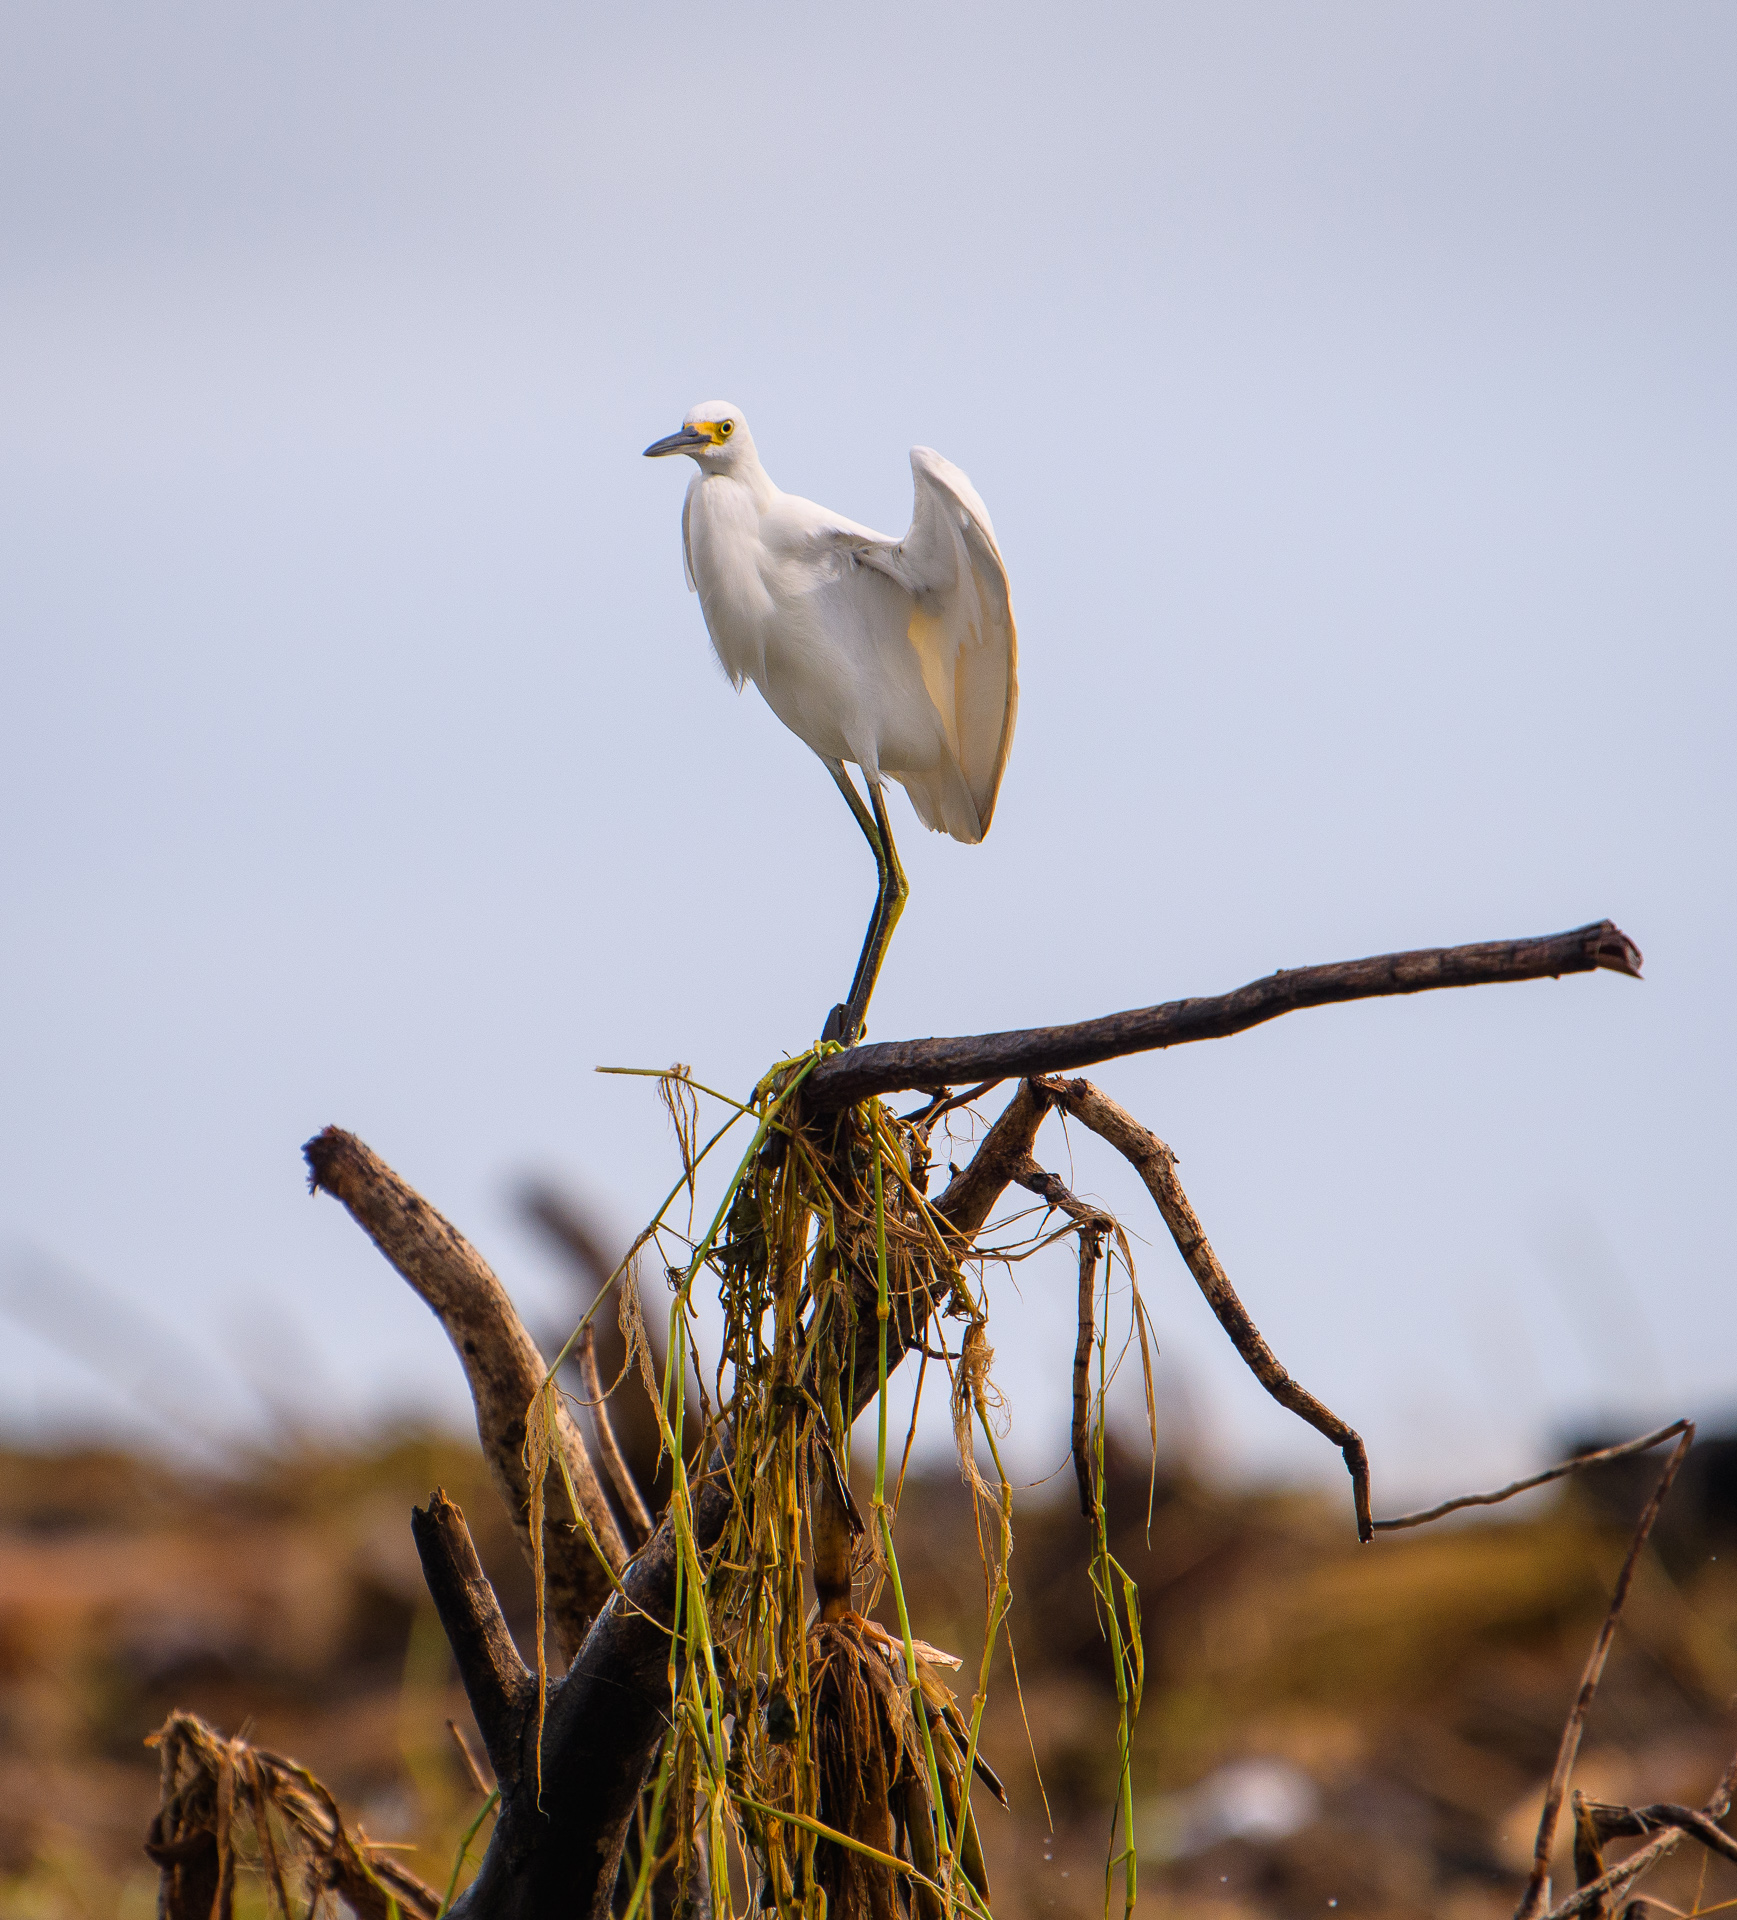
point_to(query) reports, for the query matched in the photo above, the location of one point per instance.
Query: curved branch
(501, 1363)
(889, 1065)
(1578, 1464)
(1155, 1164)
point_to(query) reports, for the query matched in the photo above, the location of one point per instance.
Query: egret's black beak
(687, 441)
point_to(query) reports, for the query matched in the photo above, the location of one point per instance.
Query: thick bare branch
(501, 1363)
(888, 1065)
(501, 1689)
(1155, 1164)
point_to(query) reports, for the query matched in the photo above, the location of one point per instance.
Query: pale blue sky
(1353, 390)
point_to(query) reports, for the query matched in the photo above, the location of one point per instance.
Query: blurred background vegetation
(1326, 1727)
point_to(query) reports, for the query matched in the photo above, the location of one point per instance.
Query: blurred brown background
(1326, 1727)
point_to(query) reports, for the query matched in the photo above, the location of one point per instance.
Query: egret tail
(891, 892)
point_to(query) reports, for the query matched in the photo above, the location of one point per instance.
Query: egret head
(714, 433)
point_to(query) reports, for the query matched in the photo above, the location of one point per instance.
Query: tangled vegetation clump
(816, 1763)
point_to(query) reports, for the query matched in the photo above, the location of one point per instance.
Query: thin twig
(1644, 1445)
(944, 1102)
(1537, 1892)
(1588, 1900)
(887, 1065)
(1049, 1189)
(1155, 1164)
(1091, 1247)
(1616, 1823)
(633, 1507)
(469, 1758)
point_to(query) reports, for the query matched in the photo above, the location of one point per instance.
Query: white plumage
(896, 655)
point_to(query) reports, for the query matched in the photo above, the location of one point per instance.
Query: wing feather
(963, 628)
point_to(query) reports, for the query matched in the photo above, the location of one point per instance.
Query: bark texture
(501, 1363)
(891, 1064)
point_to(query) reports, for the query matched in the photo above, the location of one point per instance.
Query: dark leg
(892, 890)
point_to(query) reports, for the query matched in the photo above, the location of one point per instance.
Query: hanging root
(820, 1761)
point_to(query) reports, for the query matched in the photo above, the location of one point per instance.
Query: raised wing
(963, 628)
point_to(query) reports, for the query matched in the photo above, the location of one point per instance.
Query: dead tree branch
(1594, 1898)
(1093, 1224)
(1580, 1461)
(501, 1689)
(558, 1840)
(1614, 1823)
(501, 1363)
(1155, 1164)
(888, 1065)
(1079, 1439)
(1048, 1187)
(1537, 1892)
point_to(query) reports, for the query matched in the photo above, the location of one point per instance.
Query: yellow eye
(726, 428)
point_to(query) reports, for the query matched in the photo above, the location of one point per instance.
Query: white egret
(899, 656)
